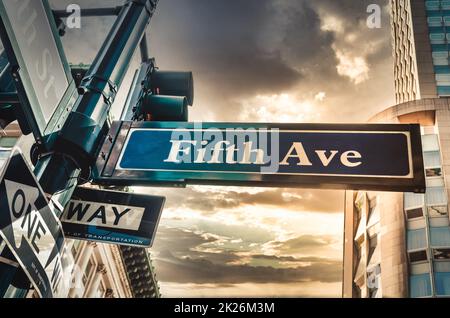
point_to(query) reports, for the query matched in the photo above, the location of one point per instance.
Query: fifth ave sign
(369, 157)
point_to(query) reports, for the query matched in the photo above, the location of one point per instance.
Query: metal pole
(91, 12)
(75, 151)
(144, 49)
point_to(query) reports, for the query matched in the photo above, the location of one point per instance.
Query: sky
(257, 61)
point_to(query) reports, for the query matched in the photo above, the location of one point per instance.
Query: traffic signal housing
(167, 96)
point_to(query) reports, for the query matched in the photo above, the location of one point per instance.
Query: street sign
(42, 75)
(383, 157)
(112, 217)
(30, 227)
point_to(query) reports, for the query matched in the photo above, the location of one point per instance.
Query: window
(432, 159)
(88, 271)
(437, 38)
(430, 143)
(416, 239)
(435, 182)
(75, 248)
(445, 4)
(441, 253)
(436, 196)
(433, 172)
(437, 210)
(414, 213)
(440, 236)
(442, 266)
(413, 200)
(432, 5)
(446, 21)
(441, 79)
(441, 61)
(442, 283)
(418, 256)
(420, 285)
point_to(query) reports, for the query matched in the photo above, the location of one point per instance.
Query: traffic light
(167, 96)
(10, 109)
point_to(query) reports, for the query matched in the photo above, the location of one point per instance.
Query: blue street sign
(379, 157)
(31, 230)
(42, 75)
(112, 217)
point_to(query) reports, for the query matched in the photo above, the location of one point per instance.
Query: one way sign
(29, 226)
(112, 217)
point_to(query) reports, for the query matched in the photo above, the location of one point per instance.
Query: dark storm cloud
(203, 271)
(186, 263)
(224, 42)
(304, 244)
(288, 259)
(238, 49)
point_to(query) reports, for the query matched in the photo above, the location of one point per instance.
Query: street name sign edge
(41, 124)
(106, 171)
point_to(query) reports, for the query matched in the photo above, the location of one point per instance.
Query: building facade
(398, 244)
(96, 270)
(420, 41)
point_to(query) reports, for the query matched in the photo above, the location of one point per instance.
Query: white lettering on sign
(29, 226)
(296, 152)
(100, 214)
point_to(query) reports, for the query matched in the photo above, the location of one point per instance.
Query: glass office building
(438, 21)
(398, 244)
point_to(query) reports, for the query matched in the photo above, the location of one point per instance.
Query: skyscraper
(398, 244)
(415, 49)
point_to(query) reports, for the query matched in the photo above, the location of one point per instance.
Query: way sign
(30, 227)
(112, 217)
(370, 157)
(42, 75)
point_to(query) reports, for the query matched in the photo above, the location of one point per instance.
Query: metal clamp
(89, 84)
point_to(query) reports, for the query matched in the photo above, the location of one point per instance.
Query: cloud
(304, 244)
(203, 271)
(212, 199)
(187, 262)
(354, 67)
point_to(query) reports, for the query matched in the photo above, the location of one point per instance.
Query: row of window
(437, 5)
(438, 21)
(421, 284)
(439, 237)
(367, 277)
(439, 254)
(432, 237)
